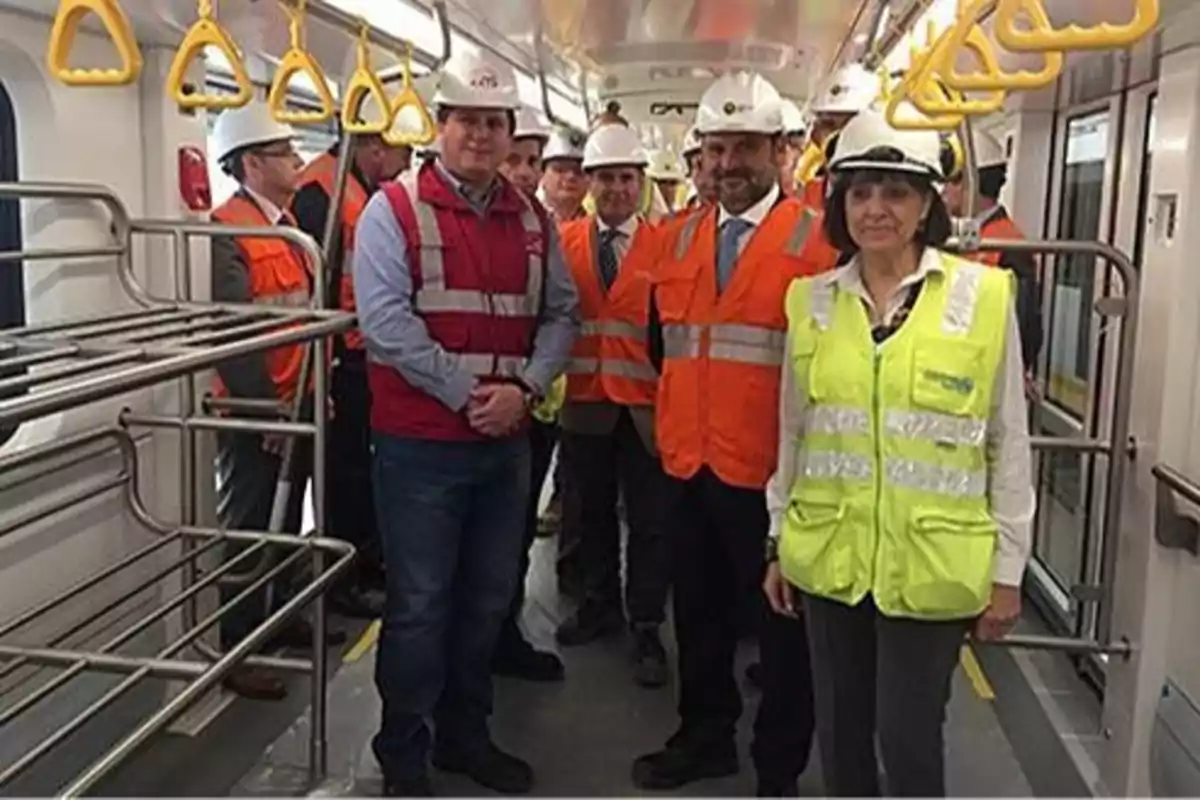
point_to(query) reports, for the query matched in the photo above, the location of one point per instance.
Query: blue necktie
(609, 263)
(727, 249)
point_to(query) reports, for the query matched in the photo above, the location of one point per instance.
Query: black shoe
(754, 675)
(517, 658)
(768, 787)
(298, 635)
(682, 763)
(492, 769)
(589, 623)
(649, 658)
(255, 683)
(357, 603)
(409, 787)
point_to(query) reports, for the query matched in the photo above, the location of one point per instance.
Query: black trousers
(882, 677)
(542, 438)
(351, 500)
(719, 534)
(246, 476)
(600, 469)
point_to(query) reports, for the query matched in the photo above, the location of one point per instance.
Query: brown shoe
(256, 683)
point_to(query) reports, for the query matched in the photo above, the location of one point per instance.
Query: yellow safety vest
(890, 495)
(547, 410)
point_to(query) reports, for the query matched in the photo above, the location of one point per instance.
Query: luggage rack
(51, 367)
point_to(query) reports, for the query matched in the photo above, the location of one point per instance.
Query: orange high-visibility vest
(813, 194)
(718, 397)
(998, 227)
(323, 171)
(278, 277)
(610, 361)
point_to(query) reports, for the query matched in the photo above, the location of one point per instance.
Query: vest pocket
(815, 549)
(948, 564)
(946, 375)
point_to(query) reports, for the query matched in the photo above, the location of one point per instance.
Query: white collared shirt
(1010, 461)
(625, 231)
(272, 212)
(754, 215)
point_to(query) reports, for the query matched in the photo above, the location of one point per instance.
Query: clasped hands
(496, 409)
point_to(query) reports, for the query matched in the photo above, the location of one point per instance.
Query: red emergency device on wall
(194, 187)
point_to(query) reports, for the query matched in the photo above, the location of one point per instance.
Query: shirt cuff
(457, 390)
(776, 527)
(1009, 570)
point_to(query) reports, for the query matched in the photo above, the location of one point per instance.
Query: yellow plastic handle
(408, 98)
(896, 97)
(967, 33)
(207, 32)
(298, 60)
(1043, 36)
(116, 24)
(929, 98)
(364, 83)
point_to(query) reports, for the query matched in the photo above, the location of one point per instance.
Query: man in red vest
(608, 417)
(469, 315)
(991, 163)
(351, 508)
(258, 152)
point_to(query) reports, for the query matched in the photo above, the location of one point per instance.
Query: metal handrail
(1173, 529)
(1119, 447)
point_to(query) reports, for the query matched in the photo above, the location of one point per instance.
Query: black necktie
(609, 263)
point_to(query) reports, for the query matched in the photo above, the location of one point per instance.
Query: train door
(1099, 181)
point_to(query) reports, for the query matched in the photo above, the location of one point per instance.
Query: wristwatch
(771, 549)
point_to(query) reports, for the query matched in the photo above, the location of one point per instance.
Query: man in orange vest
(718, 330)
(258, 153)
(608, 417)
(351, 505)
(991, 163)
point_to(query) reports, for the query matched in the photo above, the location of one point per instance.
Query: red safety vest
(323, 172)
(278, 277)
(477, 286)
(610, 362)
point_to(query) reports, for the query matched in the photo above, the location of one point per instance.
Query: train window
(1075, 275)
(12, 275)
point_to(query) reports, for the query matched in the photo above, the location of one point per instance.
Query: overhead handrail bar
(120, 33)
(967, 29)
(364, 83)
(295, 61)
(1041, 36)
(208, 32)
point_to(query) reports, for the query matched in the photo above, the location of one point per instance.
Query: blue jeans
(452, 522)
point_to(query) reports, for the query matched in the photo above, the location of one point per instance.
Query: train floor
(1019, 724)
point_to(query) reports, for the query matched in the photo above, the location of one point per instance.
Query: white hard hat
(691, 143)
(742, 102)
(614, 146)
(664, 166)
(869, 142)
(564, 143)
(849, 90)
(252, 124)
(794, 120)
(476, 80)
(529, 125)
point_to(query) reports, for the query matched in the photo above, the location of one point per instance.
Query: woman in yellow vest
(901, 508)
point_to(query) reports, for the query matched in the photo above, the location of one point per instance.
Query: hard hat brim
(853, 164)
(588, 166)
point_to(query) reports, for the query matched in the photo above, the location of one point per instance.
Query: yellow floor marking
(365, 642)
(975, 674)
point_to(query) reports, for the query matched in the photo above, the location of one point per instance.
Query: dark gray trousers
(876, 675)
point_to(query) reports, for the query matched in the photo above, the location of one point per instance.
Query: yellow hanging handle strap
(296, 60)
(966, 32)
(924, 90)
(120, 32)
(897, 98)
(364, 83)
(406, 99)
(1042, 36)
(207, 32)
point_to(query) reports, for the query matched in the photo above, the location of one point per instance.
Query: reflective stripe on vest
(890, 492)
(433, 296)
(745, 344)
